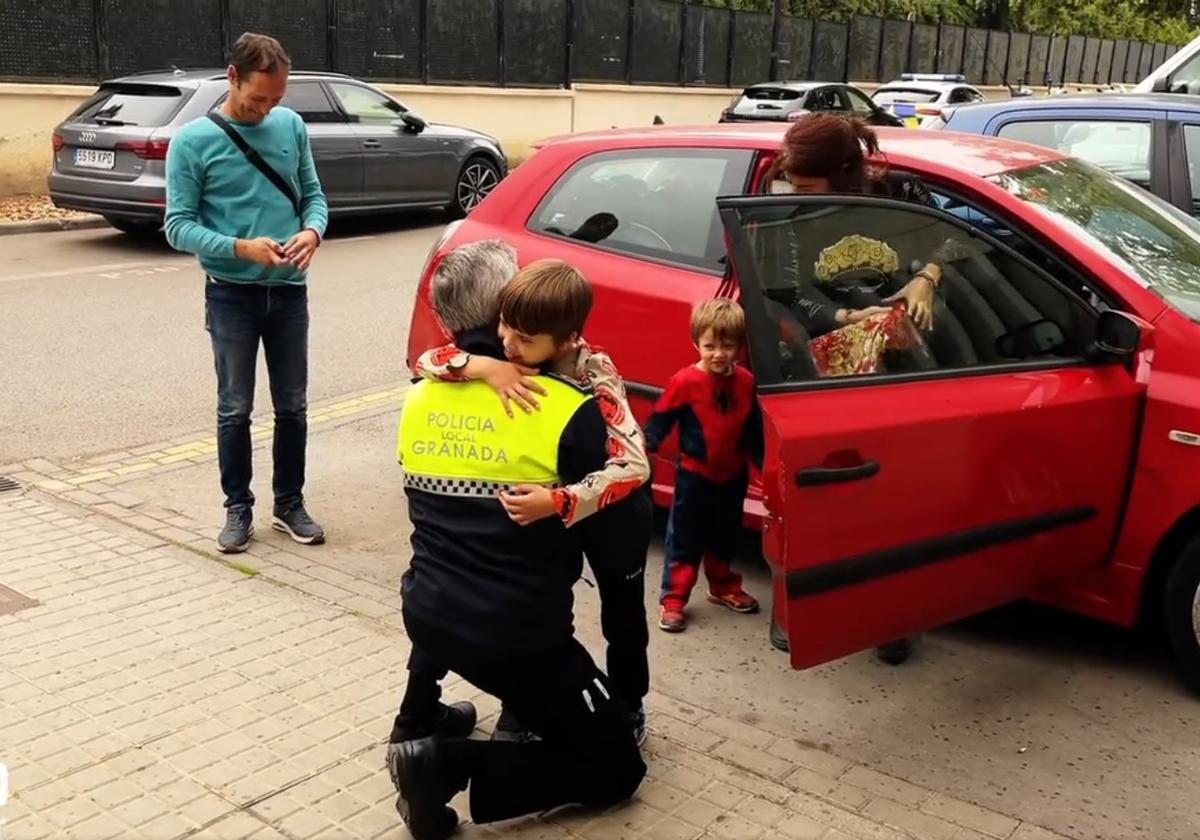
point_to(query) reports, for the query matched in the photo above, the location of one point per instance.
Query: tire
(1181, 612)
(130, 227)
(479, 176)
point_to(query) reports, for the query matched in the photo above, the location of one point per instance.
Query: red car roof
(911, 148)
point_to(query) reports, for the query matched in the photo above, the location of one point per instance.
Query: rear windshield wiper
(110, 121)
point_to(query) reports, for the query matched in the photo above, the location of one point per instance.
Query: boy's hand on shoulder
(509, 380)
(528, 503)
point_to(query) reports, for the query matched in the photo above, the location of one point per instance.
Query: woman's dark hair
(829, 146)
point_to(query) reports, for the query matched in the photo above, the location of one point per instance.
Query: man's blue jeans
(238, 316)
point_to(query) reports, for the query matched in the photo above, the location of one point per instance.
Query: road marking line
(70, 272)
(173, 454)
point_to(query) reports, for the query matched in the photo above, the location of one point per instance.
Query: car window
(859, 103)
(1156, 244)
(366, 105)
(656, 203)
(1120, 146)
(1187, 77)
(145, 105)
(308, 100)
(773, 94)
(890, 96)
(1191, 141)
(825, 99)
(827, 271)
(961, 95)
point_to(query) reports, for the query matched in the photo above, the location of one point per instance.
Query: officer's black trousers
(586, 754)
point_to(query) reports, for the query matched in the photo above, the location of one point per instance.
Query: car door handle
(817, 476)
(372, 144)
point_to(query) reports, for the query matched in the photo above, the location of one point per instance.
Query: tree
(1170, 21)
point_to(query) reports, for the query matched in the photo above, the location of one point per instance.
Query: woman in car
(852, 297)
(848, 298)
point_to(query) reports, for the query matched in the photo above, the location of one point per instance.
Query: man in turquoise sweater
(255, 235)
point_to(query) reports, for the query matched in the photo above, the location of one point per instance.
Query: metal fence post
(500, 43)
(100, 30)
(776, 35)
(569, 52)
(331, 32)
(423, 38)
(630, 32)
(912, 39)
(879, 49)
(685, 13)
(846, 54)
(732, 47)
(937, 47)
(226, 19)
(987, 49)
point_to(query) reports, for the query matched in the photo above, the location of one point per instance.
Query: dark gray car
(372, 153)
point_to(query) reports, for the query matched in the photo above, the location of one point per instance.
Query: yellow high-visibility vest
(455, 438)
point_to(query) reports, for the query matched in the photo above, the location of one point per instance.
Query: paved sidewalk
(149, 691)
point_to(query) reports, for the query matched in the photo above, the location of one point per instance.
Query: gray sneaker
(239, 528)
(297, 524)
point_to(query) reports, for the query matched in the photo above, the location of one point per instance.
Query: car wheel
(1181, 612)
(478, 178)
(134, 228)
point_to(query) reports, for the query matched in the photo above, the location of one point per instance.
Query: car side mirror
(1118, 336)
(1030, 340)
(411, 123)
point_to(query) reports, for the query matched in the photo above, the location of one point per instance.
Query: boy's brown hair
(721, 315)
(547, 297)
(255, 53)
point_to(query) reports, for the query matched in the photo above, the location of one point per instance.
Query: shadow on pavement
(155, 244)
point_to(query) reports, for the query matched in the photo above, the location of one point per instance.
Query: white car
(1178, 74)
(918, 97)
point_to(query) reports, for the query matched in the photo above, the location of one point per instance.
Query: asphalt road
(103, 342)
(1061, 721)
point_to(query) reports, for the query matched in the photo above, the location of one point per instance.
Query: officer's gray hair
(466, 285)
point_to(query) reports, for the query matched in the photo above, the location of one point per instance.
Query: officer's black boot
(895, 653)
(455, 721)
(424, 789)
(508, 728)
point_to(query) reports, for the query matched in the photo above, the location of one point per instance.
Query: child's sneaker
(739, 601)
(672, 621)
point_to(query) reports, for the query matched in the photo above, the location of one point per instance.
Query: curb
(47, 225)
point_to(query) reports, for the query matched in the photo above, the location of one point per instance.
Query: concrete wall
(518, 117)
(30, 114)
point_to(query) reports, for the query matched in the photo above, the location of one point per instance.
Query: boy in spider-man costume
(713, 403)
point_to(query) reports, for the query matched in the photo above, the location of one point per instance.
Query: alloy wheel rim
(477, 181)
(1196, 615)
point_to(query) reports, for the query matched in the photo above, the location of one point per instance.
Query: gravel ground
(22, 208)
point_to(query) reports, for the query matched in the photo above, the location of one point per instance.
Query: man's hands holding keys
(264, 250)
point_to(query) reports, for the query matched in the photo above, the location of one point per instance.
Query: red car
(1040, 442)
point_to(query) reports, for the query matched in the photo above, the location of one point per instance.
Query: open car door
(915, 476)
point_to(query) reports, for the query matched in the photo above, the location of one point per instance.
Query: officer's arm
(581, 449)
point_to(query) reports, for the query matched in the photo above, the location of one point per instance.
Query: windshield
(773, 94)
(145, 105)
(916, 97)
(1155, 243)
